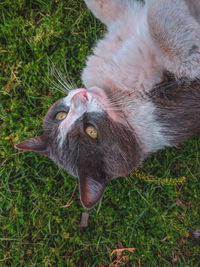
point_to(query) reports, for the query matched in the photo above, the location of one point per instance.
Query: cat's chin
(104, 102)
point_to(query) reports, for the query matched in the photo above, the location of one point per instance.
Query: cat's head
(88, 140)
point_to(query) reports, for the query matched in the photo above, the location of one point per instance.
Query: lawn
(150, 215)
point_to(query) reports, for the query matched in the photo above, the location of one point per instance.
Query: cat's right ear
(36, 144)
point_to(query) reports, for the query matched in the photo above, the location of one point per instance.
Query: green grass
(152, 210)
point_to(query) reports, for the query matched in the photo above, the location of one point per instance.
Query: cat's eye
(61, 116)
(91, 131)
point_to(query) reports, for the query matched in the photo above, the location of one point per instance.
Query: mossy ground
(146, 210)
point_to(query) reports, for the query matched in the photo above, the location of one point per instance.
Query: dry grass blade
(70, 200)
(4, 161)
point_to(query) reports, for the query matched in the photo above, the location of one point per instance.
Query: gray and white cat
(134, 102)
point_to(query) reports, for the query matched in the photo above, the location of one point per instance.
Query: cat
(141, 94)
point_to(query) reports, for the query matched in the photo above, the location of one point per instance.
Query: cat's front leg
(176, 35)
(108, 11)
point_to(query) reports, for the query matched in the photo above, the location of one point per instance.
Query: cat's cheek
(103, 102)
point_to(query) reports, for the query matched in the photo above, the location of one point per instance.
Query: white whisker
(69, 80)
(58, 78)
(61, 79)
(62, 84)
(59, 87)
(56, 86)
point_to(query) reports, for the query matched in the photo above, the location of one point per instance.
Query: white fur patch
(126, 58)
(76, 112)
(141, 116)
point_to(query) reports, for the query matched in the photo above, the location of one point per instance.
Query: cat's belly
(99, 65)
(125, 58)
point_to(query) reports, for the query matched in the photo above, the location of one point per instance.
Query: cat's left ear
(36, 144)
(91, 190)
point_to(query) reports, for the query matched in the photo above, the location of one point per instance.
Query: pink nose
(80, 98)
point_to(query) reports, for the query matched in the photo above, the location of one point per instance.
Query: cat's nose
(80, 98)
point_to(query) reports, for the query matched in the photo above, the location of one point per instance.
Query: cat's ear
(36, 144)
(91, 191)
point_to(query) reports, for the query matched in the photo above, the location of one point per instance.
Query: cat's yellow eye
(61, 116)
(91, 131)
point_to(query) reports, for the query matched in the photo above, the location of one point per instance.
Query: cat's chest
(125, 58)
